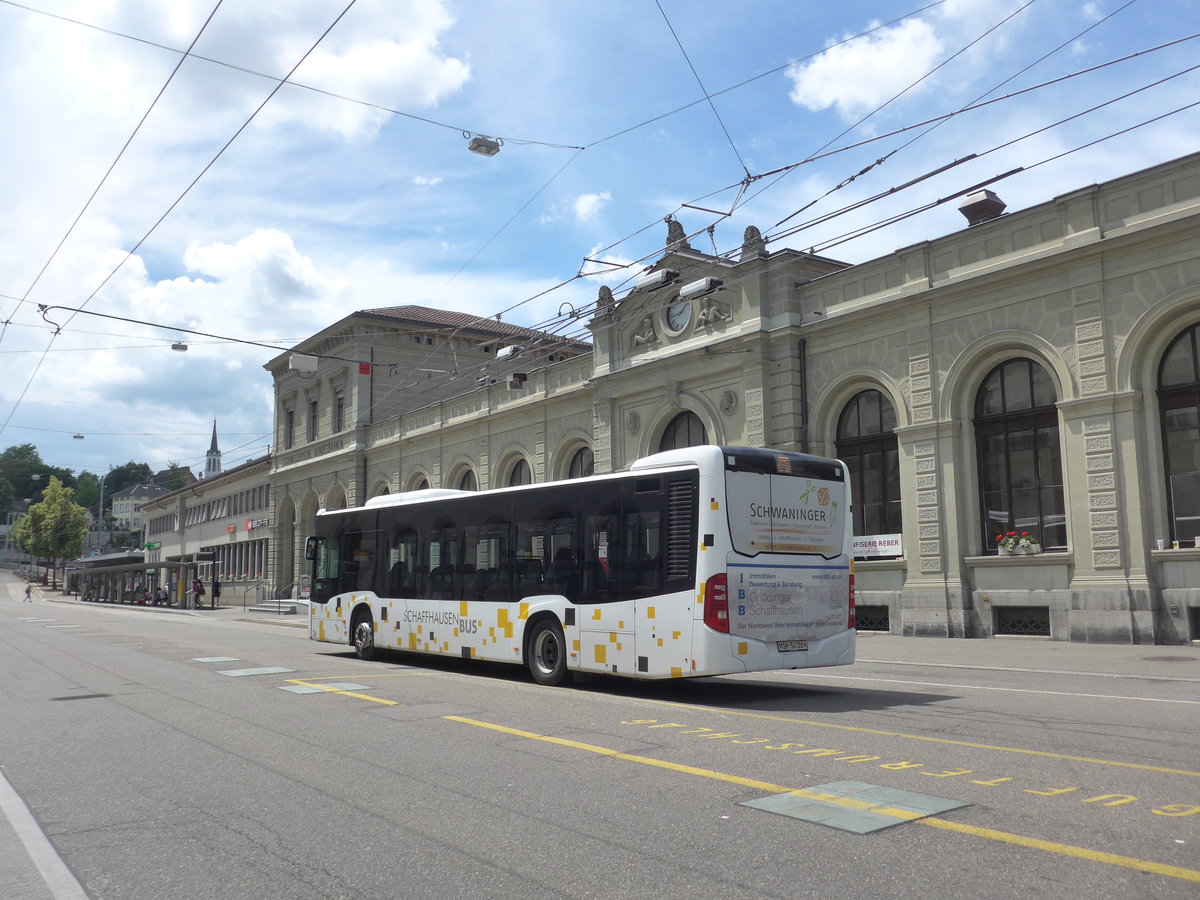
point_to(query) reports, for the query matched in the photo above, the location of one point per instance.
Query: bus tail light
(853, 619)
(716, 603)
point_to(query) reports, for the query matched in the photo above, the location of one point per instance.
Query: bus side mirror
(310, 547)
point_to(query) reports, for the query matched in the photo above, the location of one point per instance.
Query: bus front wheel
(548, 653)
(364, 638)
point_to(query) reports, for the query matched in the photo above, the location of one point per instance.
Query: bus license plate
(791, 646)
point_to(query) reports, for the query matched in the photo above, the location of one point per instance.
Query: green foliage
(18, 466)
(55, 527)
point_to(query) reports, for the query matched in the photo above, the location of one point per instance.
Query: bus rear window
(786, 514)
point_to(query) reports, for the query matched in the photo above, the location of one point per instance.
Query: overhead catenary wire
(569, 280)
(296, 84)
(120, 153)
(174, 204)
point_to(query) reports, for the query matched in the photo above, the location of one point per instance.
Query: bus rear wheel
(364, 637)
(548, 653)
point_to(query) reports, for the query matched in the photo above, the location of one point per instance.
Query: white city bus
(699, 561)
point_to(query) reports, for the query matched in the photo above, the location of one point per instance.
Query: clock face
(679, 314)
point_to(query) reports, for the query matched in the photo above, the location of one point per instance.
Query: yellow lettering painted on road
(993, 783)
(947, 774)
(1113, 859)
(1114, 799)
(1053, 792)
(1177, 809)
(974, 745)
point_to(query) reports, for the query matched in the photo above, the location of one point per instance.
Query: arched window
(1179, 407)
(583, 463)
(422, 485)
(685, 430)
(468, 482)
(520, 474)
(1020, 465)
(866, 441)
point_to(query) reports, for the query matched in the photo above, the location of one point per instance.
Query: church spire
(212, 459)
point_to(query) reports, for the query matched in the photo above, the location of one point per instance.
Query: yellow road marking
(1113, 859)
(918, 737)
(330, 690)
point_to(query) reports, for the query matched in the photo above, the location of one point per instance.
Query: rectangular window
(289, 428)
(312, 418)
(339, 411)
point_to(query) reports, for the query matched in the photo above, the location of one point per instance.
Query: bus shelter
(127, 580)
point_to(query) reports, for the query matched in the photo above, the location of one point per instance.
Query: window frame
(1007, 425)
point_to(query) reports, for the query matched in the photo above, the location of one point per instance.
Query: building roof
(140, 492)
(442, 318)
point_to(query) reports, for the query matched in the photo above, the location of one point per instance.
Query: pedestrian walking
(28, 593)
(216, 593)
(197, 593)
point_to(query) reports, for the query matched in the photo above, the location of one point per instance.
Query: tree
(18, 465)
(54, 528)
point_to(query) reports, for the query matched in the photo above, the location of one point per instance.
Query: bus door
(430, 615)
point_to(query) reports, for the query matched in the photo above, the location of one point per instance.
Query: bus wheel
(548, 653)
(364, 638)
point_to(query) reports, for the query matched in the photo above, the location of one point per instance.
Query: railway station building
(1034, 374)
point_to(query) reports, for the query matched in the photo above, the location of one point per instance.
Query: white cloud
(588, 206)
(858, 76)
(426, 181)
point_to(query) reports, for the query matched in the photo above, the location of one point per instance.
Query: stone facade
(1091, 286)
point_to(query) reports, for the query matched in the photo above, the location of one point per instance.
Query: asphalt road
(149, 753)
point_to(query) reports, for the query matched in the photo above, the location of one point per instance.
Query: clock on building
(679, 313)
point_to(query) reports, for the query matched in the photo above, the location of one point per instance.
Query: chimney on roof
(980, 207)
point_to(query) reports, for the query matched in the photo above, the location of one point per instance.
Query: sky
(257, 170)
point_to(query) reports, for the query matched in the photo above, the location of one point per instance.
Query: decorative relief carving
(930, 532)
(632, 422)
(1104, 520)
(926, 464)
(1097, 424)
(926, 482)
(930, 548)
(1102, 481)
(928, 514)
(1100, 463)
(931, 565)
(1103, 500)
(728, 402)
(1088, 332)
(1108, 559)
(1091, 349)
(645, 333)
(1095, 385)
(712, 313)
(1106, 539)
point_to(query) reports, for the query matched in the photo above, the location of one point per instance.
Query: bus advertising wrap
(788, 602)
(781, 514)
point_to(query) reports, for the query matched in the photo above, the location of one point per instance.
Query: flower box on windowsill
(1027, 550)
